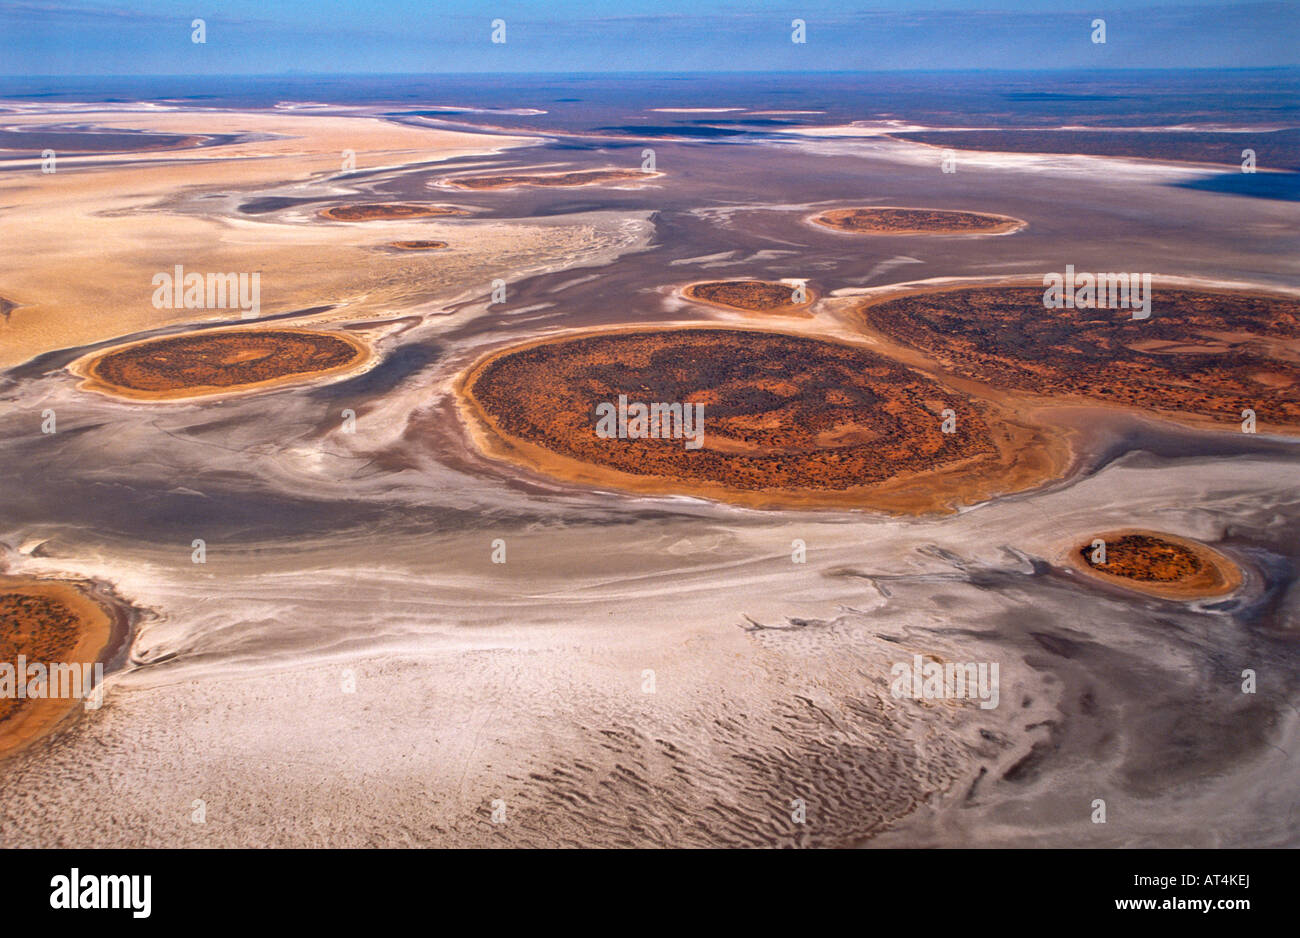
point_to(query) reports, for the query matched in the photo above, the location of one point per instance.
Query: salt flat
(399, 638)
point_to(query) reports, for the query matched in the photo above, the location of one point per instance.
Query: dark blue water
(1116, 98)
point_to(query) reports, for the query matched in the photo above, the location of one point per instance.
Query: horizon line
(748, 71)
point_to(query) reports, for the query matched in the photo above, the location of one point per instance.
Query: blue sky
(152, 37)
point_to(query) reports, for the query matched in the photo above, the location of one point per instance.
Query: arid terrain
(788, 415)
(216, 362)
(418, 245)
(47, 622)
(1201, 356)
(758, 296)
(1278, 149)
(593, 177)
(387, 212)
(363, 570)
(882, 220)
(1162, 565)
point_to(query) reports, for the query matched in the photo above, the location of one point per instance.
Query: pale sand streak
(82, 244)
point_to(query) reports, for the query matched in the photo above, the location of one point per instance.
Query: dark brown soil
(221, 360)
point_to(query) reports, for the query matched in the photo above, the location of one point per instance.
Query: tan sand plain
(83, 243)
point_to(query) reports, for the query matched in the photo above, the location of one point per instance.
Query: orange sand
(750, 296)
(218, 362)
(890, 220)
(1158, 564)
(811, 449)
(47, 621)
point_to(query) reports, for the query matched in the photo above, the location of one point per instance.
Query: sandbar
(1276, 148)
